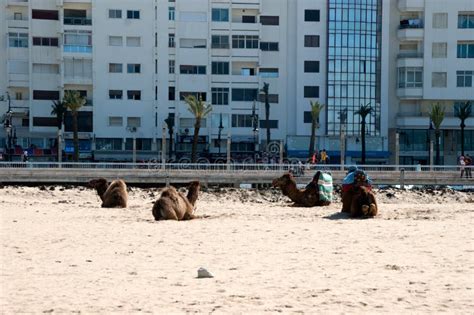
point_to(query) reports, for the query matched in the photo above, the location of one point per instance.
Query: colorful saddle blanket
(325, 187)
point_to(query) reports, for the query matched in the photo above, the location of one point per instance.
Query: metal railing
(77, 21)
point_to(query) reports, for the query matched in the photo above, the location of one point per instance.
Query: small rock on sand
(203, 273)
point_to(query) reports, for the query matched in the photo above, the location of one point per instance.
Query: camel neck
(192, 196)
(290, 190)
(101, 191)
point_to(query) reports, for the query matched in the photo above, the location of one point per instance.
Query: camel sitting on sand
(308, 197)
(113, 195)
(174, 205)
(363, 203)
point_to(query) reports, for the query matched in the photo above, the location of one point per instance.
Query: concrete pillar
(163, 147)
(397, 150)
(431, 154)
(228, 151)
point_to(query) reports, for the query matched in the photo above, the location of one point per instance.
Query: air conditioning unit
(132, 128)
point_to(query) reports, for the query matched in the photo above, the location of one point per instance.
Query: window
(45, 41)
(45, 68)
(311, 66)
(135, 95)
(192, 43)
(269, 72)
(188, 69)
(273, 124)
(464, 78)
(133, 41)
(269, 46)
(311, 91)
(410, 77)
(108, 144)
(45, 95)
(307, 117)
(78, 41)
(171, 13)
(142, 144)
(18, 16)
(216, 120)
(115, 67)
(439, 79)
(269, 20)
(115, 121)
(465, 50)
(115, 94)
(220, 41)
(242, 121)
(245, 41)
(220, 67)
(171, 43)
(220, 15)
(171, 65)
(45, 121)
(131, 14)
(78, 67)
(311, 15)
(19, 40)
(272, 98)
(249, 19)
(133, 68)
(171, 93)
(134, 122)
(115, 14)
(311, 41)
(440, 20)
(244, 95)
(220, 96)
(440, 50)
(466, 20)
(115, 41)
(198, 95)
(45, 14)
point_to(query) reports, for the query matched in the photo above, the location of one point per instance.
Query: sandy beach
(62, 253)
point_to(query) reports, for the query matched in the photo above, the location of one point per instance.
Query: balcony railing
(77, 21)
(411, 23)
(77, 49)
(410, 54)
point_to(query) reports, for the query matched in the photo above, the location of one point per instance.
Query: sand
(62, 253)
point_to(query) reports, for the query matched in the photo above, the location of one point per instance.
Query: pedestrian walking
(462, 164)
(468, 161)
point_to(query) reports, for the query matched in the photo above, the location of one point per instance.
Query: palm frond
(437, 113)
(73, 100)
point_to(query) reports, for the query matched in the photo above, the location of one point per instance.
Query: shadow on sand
(338, 216)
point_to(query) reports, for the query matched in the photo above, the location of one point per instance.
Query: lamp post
(7, 125)
(219, 134)
(397, 149)
(343, 119)
(163, 147)
(228, 150)
(430, 138)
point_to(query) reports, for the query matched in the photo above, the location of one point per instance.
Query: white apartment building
(135, 61)
(431, 61)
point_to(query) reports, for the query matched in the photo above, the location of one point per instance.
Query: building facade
(135, 61)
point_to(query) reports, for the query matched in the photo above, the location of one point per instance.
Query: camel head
(283, 181)
(194, 185)
(193, 191)
(363, 195)
(98, 183)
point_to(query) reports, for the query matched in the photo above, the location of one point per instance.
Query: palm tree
(200, 110)
(267, 108)
(363, 112)
(437, 117)
(74, 101)
(463, 112)
(59, 109)
(170, 123)
(316, 109)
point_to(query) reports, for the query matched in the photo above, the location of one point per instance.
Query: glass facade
(353, 77)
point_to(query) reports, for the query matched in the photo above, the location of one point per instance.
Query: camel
(363, 203)
(173, 205)
(308, 197)
(113, 195)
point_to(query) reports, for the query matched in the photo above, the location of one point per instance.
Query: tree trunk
(362, 138)
(437, 136)
(267, 118)
(58, 144)
(312, 139)
(462, 137)
(170, 131)
(197, 126)
(75, 136)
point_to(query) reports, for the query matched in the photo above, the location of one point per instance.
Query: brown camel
(113, 195)
(173, 205)
(363, 203)
(308, 197)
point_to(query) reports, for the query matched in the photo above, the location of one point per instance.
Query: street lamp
(343, 119)
(7, 125)
(219, 133)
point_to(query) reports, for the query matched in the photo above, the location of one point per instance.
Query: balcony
(79, 80)
(410, 59)
(410, 93)
(18, 80)
(17, 3)
(17, 23)
(411, 5)
(82, 21)
(81, 49)
(411, 30)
